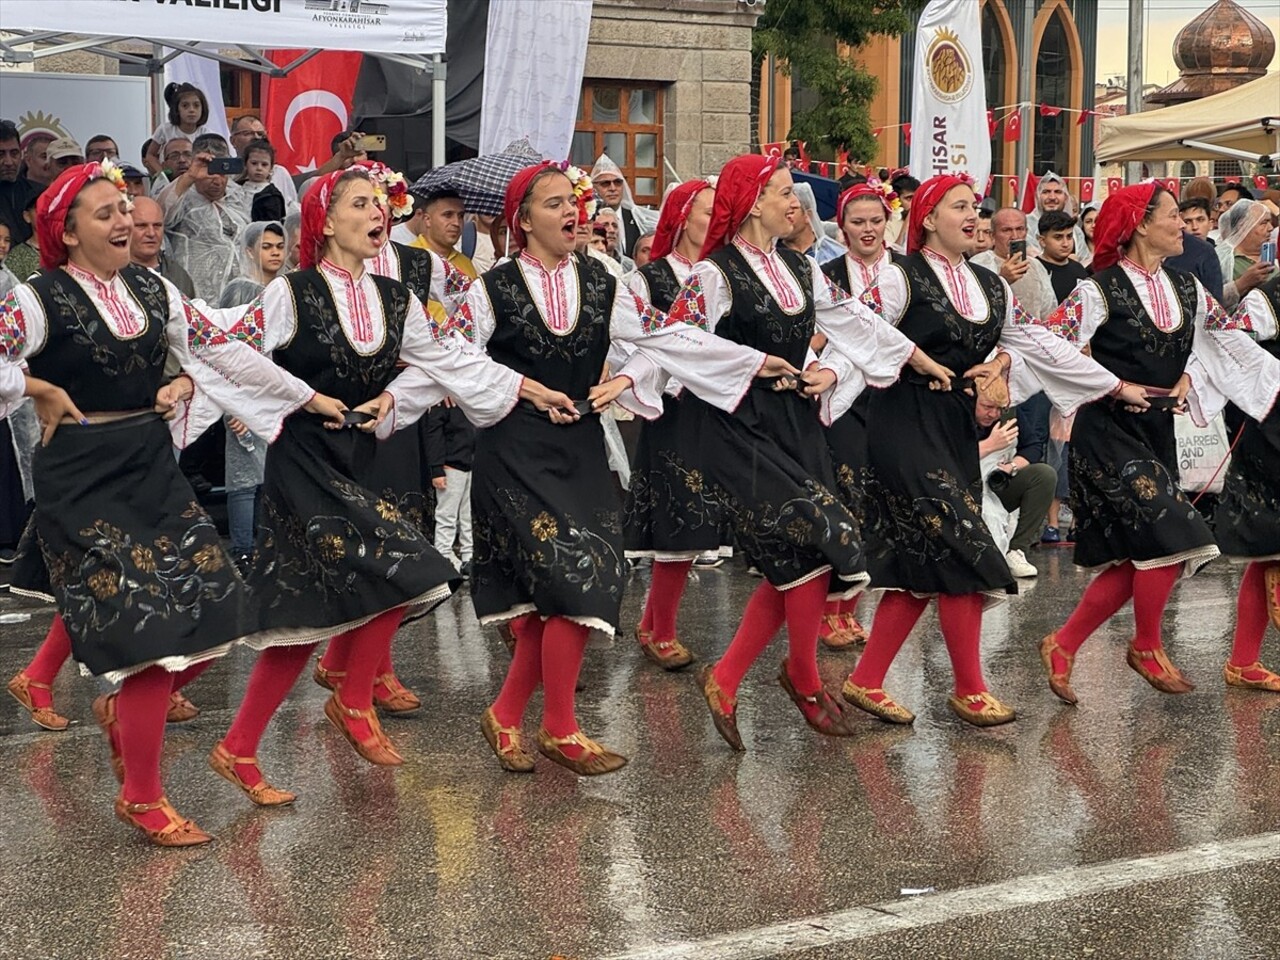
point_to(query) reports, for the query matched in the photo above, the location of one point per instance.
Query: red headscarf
(516, 190)
(315, 208)
(54, 205)
(675, 214)
(1118, 218)
(737, 190)
(927, 197)
(857, 191)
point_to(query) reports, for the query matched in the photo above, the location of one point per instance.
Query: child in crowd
(188, 114)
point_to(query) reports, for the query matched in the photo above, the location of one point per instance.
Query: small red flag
(1048, 111)
(1114, 184)
(823, 168)
(991, 182)
(1013, 186)
(992, 125)
(773, 149)
(1173, 185)
(906, 133)
(1260, 181)
(1086, 190)
(1233, 179)
(1029, 192)
(1084, 115)
(877, 131)
(1013, 127)
(842, 162)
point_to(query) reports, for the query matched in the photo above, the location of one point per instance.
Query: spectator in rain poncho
(1052, 194)
(24, 429)
(292, 234)
(262, 254)
(1242, 229)
(810, 236)
(204, 213)
(614, 191)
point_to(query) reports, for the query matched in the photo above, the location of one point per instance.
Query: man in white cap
(1052, 194)
(614, 192)
(63, 153)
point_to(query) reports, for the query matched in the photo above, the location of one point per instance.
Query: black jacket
(1199, 259)
(451, 440)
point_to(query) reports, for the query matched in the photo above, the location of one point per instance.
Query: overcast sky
(1164, 18)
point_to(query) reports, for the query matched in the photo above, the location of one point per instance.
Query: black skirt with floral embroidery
(669, 506)
(1247, 519)
(136, 566)
(847, 440)
(331, 553)
(30, 575)
(546, 522)
(1125, 493)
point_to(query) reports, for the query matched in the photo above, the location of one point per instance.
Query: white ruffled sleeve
(1228, 365)
(448, 366)
(864, 329)
(22, 329)
(229, 367)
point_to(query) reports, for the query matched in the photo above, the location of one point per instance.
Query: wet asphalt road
(1136, 825)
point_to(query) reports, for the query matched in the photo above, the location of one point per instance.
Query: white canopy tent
(408, 33)
(1239, 124)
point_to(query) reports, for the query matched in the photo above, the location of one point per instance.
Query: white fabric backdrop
(203, 73)
(949, 117)
(534, 57)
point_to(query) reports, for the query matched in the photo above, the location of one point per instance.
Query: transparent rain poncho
(201, 236)
(825, 247)
(1235, 224)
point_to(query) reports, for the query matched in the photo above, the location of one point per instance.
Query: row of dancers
(823, 417)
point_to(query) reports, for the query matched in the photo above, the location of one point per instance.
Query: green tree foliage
(800, 35)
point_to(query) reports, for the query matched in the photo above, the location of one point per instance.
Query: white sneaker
(1018, 564)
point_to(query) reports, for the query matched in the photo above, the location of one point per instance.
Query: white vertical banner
(949, 117)
(534, 57)
(203, 73)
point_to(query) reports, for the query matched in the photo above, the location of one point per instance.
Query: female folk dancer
(666, 518)
(765, 461)
(547, 528)
(925, 533)
(145, 592)
(334, 559)
(1132, 519)
(863, 212)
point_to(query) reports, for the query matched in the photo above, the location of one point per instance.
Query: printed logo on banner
(353, 13)
(950, 71)
(37, 121)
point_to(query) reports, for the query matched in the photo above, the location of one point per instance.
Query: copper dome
(1222, 48)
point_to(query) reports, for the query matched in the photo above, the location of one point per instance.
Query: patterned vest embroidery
(415, 269)
(932, 321)
(1129, 344)
(755, 318)
(99, 370)
(663, 285)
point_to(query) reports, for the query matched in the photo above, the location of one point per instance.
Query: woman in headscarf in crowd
(547, 525)
(262, 258)
(765, 461)
(1242, 230)
(863, 213)
(1246, 520)
(667, 519)
(1141, 322)
(333, 558)
(1088, 218)
(292, 236)
(146, 595)
(925, 534)
(397, 474)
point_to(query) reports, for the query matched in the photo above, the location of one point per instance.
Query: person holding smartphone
(205, 210)
(1009, 258)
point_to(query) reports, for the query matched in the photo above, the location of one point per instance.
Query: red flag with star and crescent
(305, 110)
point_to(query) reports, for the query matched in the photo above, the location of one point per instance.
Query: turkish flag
(992, 124)
(1260, 181)
(1029, 192)
(842, 162)
(1086, 190)
(1084, 115)
(822, 168)
(1114, 184)
(801, 146)
(1048, 111)
(1013, 186)
(906, 134)
(304, 111)
(773, 149)
(1232, 179)
(1174, 186)
(1013, 127)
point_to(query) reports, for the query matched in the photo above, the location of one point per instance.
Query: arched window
(1053, 87)
(995, 65)
(1187, 171)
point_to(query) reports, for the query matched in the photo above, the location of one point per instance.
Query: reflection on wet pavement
(450, 858)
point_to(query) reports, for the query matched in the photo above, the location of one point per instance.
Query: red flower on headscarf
(1117, 220)
(675, 214)
(315, 208)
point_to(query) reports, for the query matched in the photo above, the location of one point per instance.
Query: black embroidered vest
(100, 371)
(663, 285)
(755, 318)
(933, 322)
(837, 270)
(319, 351)
(1129, 344)
(415, 269)
(1271, 293)
(521, 339)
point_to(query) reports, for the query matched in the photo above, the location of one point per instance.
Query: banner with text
(390, 26)
(949, 119)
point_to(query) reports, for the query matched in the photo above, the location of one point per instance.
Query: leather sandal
(833, 633)
(507, 636)
(377, 749)
(401, 699)
(668, 654)
(724, 708)
(852, 625)
(1235, 677)
(829, 718)
(178, 832)
(104, 711)
(20, 688)
(593, 760)
(513, 756)
(1169, 680)
(1059, 683)
(329, 679)
(262, 793)
(885, 708)
(981, 709)
(180, 709)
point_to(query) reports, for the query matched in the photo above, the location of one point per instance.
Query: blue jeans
(241, 505)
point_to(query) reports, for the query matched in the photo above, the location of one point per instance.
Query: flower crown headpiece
(583, 191)
(107, 169)
(391, 189)
(891, 199)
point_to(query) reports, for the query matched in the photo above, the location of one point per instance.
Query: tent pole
(1133, 93)
(159, 110)
(439, 72)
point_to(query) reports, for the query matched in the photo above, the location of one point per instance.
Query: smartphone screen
(1018, 248)
(1268, 254)
(227, 166)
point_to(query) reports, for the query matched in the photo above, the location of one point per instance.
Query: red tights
(548, 652)
(44, 666)
(801, 607)
(663, 603)
(960, 618)
(1251, 616)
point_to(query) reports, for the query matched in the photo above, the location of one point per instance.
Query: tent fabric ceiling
(1246, 118)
